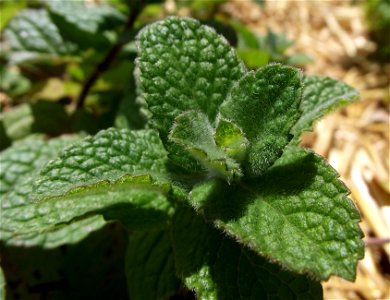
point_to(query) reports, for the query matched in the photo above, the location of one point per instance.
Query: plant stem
(111, 54)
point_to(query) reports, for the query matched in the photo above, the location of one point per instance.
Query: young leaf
(296, 214)
(265, 104)
(150, 268)
(218, 267)
(193, 131)
(231, 139)
(32, 35)
(183, 65)
(108, 155)
(320, 96)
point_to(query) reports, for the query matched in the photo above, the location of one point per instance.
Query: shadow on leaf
(219, 200)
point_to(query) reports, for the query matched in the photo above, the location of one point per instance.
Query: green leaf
(64, 273)
(193, 131)
(218, 267)
(136, 201)
(33, 36)
(254, 58)
(320, 96)
(108, 155)
(19, 165)
(297, 214)
(2, 285)
(150, 268)
(25, 159)
(183, 65)
(265, 104)
(108, 174)
(231, 139)
(84, 24)
(27, 118)
(13, 83)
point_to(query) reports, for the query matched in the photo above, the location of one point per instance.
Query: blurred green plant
(378, 18)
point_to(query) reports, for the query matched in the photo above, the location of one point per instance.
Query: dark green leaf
(28, 118)
(85, 24)
(33, 36)
(64, 273)
(108, 155)
(2, 285)
(150, 267)
(320, 96)
(218, 267)
(182, 66)
(296, 214)
(19, 165)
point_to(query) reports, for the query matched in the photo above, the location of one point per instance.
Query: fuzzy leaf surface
(26, 159)
(183, 65)
(109, 174)
(193, 131)
(320, 96)
(218, 267)
(135, 201)
(265, 104)
(150, 267)
(108, 155)
(33, 35)
(19, 164)
(297, 214)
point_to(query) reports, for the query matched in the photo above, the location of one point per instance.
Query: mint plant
(216, 194)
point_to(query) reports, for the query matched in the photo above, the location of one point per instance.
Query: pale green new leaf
(218, 267)
(183, 65)
(231, 139)
(108, 155)
(193, 131)
(297, 214)
(265, 105)
(320, 96)
(32, 35)
(150, 267)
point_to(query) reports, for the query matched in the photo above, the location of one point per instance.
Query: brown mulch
(355, 139)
